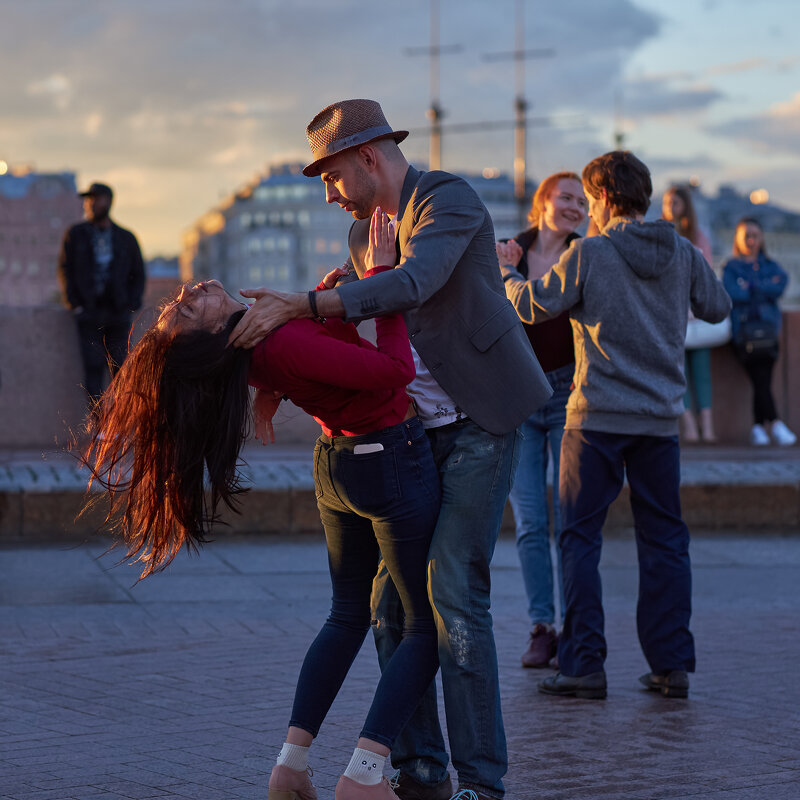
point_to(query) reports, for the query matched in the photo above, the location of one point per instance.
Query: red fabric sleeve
(307, 350)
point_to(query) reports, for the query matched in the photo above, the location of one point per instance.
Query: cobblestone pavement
(180, 686)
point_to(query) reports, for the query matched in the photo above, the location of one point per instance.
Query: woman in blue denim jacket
(755, 282)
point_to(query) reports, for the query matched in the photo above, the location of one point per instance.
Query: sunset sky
(176, 103)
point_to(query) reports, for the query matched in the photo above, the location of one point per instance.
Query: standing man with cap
(102, 278)
(477, 380)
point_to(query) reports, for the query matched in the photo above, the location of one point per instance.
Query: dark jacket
(449, 290)
(76, 271)
(754, 290)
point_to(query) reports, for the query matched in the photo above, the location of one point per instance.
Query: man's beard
(364, 201)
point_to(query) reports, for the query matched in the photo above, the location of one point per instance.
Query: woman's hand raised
(381, 251)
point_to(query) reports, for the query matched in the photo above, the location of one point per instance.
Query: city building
(35, 210)
(279, 231)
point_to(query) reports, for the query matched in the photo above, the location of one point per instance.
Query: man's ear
(368, 155)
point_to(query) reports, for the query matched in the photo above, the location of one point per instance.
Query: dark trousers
(103, 339)
(760, 373)
(374, 504)
(593, 465)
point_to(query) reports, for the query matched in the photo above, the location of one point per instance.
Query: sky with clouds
(176, 103)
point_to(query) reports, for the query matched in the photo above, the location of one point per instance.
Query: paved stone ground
(180, 686)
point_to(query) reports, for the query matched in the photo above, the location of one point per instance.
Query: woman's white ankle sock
(294, 756)
(365, 767)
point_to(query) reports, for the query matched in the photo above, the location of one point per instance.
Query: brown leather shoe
(348, 789)
(407, 788)
(542, 646)
(286, 783)
(467, 792)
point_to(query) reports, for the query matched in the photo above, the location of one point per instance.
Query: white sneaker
(758, 436)
(781, 434)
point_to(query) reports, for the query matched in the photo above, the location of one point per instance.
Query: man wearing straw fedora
(477, 380)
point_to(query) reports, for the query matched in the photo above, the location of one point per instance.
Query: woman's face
(204, 306)
(749, 239)
(672, 207)
(565, 207)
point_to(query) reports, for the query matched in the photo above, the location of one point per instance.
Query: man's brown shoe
(671, 684)
(407, 788)
(466, 792)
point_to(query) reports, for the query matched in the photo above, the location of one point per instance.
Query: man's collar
(409, 182)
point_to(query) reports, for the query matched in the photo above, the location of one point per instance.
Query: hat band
(350, 141)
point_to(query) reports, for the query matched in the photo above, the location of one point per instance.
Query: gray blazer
(447, 284)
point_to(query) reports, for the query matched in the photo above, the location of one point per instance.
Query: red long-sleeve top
(349, 385)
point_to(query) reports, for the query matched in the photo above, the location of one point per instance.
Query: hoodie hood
(648, 248)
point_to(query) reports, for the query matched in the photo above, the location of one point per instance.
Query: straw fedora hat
(343, 125)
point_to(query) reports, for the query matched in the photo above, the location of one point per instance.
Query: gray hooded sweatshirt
(628, 292)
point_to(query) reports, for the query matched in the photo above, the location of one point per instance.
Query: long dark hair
(178, 409)
(686, 223)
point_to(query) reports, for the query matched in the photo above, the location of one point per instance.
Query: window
(284, 243)
(288, 217)
(245, 220)
(335, 246)
(260, 218)
(320, 245)
(303, 218)
(33, 268)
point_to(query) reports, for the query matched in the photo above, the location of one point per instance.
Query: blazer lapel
(358, 238)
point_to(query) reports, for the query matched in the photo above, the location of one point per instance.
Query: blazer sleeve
(447, 215)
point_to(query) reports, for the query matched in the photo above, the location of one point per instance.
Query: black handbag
(756, 338)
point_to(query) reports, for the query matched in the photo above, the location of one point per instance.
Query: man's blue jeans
(593, 465)
(476, 470)
(541, 439)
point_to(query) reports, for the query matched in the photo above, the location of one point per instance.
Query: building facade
(279, 231)
(35, 210)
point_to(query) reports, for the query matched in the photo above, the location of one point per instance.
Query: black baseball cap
(96, 189)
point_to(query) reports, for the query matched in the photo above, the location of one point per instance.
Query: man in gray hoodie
(628, 291)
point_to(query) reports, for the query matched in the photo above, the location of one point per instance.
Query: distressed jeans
(476, 470)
